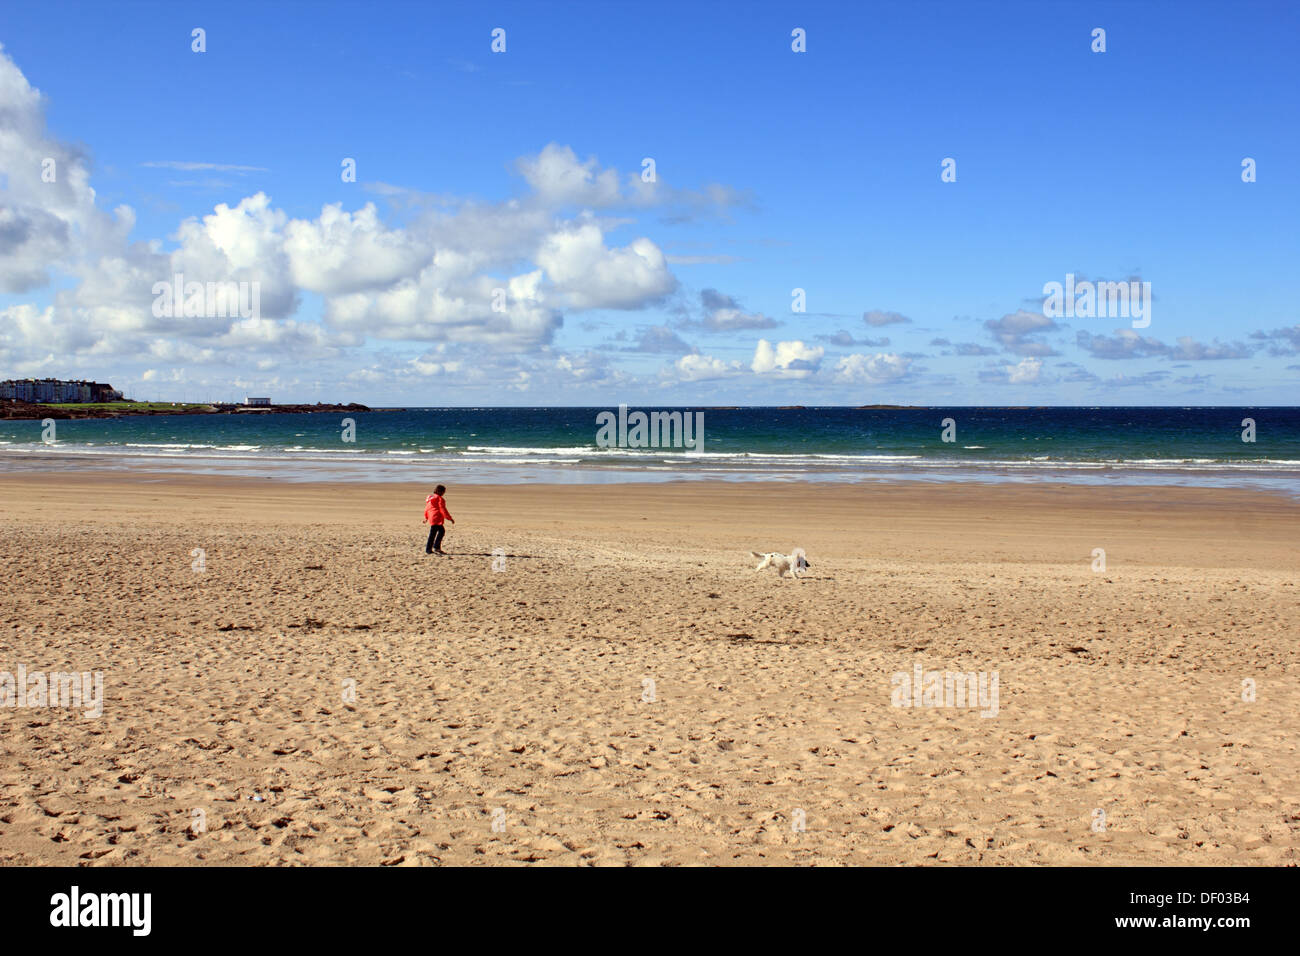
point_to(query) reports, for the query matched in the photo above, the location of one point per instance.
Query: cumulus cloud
(1017, 331)
(695, 368)
(448, 303)
(457, 273)
(722, 313)
(1125, 344)
(454, 273)
(589, 275)
(788, 359)
(1025, 371)
(588, 368)
(559, 178)
(342, 252)
(1028, 371)
(243, 243)
(860, 369)
(48, 217)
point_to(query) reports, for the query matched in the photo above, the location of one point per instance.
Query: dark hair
(440, 489)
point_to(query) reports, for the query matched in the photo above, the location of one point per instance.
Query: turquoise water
(1171, 445)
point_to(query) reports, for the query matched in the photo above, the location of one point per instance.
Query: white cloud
(434, 279)
(1024, 372)
(722, 313)
(486, 274)
(695, 368)
(558, 178)
(871, 369)
(343, 252)
(1014, 332)
(588, 368)
(243, 243)
(590, 275)
(48, 217)
(788, 359)
(446, 303)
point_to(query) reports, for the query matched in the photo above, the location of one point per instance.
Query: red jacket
(435, 510)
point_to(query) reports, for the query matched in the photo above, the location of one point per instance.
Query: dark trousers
(435, 538)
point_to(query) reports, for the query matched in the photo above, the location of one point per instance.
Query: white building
(56, 391)
(250, 400)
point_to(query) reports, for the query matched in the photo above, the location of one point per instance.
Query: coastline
(380, 467)
(20, 411)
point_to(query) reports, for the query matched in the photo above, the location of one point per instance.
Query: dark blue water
(832, 443)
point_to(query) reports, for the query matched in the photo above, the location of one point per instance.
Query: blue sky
(775, 170)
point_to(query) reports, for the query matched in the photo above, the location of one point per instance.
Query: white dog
(794, 563)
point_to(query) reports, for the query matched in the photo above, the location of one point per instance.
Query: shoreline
(182, 476)
(377, 467)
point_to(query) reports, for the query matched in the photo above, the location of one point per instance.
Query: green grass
(133, 406)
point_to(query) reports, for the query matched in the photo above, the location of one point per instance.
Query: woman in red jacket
(435, 513)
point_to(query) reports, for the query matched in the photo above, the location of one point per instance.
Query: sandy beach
(596, 675)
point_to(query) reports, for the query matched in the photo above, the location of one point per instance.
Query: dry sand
(518, 696)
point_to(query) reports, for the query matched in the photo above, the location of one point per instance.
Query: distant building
(53, 391)
(250, 400)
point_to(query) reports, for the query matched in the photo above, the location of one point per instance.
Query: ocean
(1138, 445)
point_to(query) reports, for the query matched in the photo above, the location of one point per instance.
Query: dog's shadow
(803, 576)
